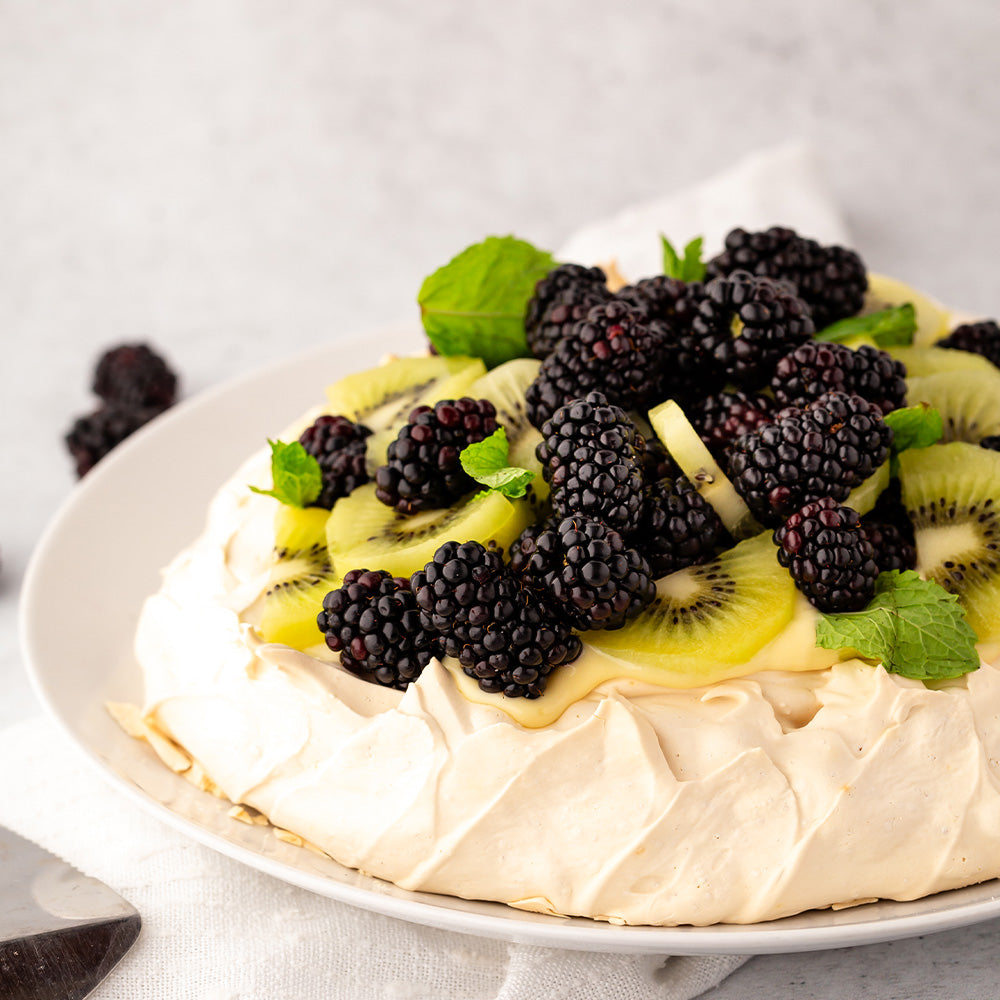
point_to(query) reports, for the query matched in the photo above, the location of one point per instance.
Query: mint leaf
(296, 475)
(917, 426)
(475, 304)
(913, 626)
(687, 269)
(486, 461)
(887, 327)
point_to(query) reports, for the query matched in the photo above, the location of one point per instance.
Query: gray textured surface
(238, 180)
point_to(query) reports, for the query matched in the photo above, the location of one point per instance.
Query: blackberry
(135, 376)
(816, 367)
(679, 527)
(830, 279)
(339, 446)
(93, 436)
(613, 350)
(423, 467)
(893, 546)
(654, 460)
(664, 298)
(373, 621)
(588, 455)
(829, 556)
(822, 450)
(979, 338)
(991, 441)
(769, 319)
(561, 299)
(502, 634)
(722, 417)
(586, 570)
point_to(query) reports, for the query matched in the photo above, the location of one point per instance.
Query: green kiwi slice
(932, 360)
(952, 495)
(505, 387)
(722, 612)
(382, 398)
(969, 402)
(363, 533)
(689, 451)
(300, 578)
(931, 316)
(864, 496)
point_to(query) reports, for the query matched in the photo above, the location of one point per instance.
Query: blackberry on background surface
(91, 437)
(135, 376)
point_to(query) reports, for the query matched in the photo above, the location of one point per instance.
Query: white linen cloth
(214, 929)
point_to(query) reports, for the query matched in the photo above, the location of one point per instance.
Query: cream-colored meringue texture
(744, 801)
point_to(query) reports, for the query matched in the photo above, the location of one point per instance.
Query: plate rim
(496, 919)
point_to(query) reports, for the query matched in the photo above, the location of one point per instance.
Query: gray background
(237, 181)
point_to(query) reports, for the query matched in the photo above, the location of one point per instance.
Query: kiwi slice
(931, 316)
(300, 578)
(932, 360)
(689, 451)
(952, 495)
(722, 612)
(382, 398)
(864, 496)
(364, 533)
(969, 402)
(505, 387)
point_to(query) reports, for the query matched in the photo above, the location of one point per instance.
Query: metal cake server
(61, 932)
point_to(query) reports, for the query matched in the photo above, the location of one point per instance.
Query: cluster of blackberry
(339, 445)
(134, 385)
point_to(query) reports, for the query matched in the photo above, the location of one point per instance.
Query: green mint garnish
(295, 473)
(913, 626)
(487, 462)
(687, 268)
(887, 327)
(917, 426)
(475, 304)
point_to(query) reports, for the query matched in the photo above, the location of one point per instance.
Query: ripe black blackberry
(665, 298)
(588, 455)
(991, 441)
(502, 633)
(338, 444)
(816, 367)
(824, 449)
(373, 621)
(423, 467)
(722, 417)
(979, 338)
(612, 350)
(831, 279)
(93, 436)
(135, 376)
(679, 527)
(561, 299)
(751, 322)
(586, 570)
(894, 548)
(829, 556)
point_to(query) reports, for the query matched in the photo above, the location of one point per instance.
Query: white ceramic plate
(144, 503)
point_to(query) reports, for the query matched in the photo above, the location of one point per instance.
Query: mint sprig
(474, 305)
(887, 327)
(487, 461)
(295, 473)
(917, 426)
(913, 626)
(687, 268)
